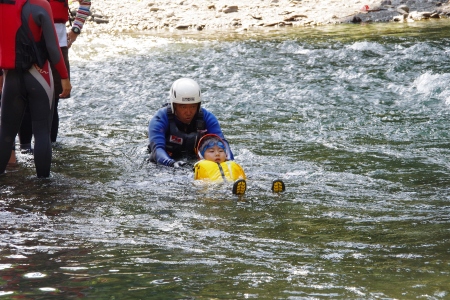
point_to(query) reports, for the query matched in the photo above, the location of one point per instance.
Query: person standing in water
(60, 11)
(175, 129)
(28, 42)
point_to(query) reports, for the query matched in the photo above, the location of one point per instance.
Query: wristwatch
(76, 30)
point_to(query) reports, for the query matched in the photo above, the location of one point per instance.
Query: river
(353, 118)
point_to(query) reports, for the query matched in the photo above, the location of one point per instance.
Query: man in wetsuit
(32, 84)
(175, 129)
(60, 18)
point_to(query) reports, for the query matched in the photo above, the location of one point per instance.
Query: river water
(353, 118)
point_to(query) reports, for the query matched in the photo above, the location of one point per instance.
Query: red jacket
(60, 9)
(39, 19)
(10, 22)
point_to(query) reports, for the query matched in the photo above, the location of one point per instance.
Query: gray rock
(182, 26)
(294, 18)
(229, 9)
(100, 20)
(403, 8)
(417, 16)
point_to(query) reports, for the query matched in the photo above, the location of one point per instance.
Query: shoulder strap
(200, 121)
(169, 112)
(172, 126)
(224, 178)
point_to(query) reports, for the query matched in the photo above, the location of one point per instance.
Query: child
(215, 164)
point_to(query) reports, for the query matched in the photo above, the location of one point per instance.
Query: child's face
(216, 154)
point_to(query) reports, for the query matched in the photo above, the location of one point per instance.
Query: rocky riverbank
(110, 16)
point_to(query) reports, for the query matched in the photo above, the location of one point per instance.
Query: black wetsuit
(25, 131)
(33, 87)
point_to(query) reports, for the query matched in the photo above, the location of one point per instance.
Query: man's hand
(179, 164)
(71, 38)
(66, 88)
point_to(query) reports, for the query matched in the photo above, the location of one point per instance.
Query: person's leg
(55, 121)
(40, 94)
(12, 109)
(58, 90)
(12, 159)
(26, 131)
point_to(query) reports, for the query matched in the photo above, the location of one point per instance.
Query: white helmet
(185, 91)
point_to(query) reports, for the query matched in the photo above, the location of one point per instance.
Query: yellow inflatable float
(214, 164)
(218, 172)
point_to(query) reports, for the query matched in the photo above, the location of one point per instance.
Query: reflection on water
(353, 118)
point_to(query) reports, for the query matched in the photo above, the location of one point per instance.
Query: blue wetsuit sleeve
(157, 129)
(213, 126)
(162, 158)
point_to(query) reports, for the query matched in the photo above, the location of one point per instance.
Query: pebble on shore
(111, 17)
